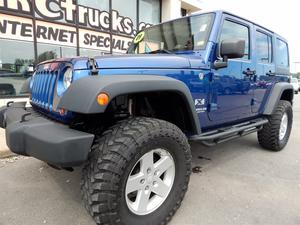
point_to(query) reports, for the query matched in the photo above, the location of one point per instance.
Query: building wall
(171, 9)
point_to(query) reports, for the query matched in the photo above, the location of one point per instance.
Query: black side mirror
(230, 49)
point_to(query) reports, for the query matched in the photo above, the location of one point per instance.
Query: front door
(231, 93)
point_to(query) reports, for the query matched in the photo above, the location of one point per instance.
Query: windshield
(190, 33)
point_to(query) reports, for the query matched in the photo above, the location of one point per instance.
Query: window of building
(16, 59)
(149, 11)
(103, 5)
(282, 54)
(263, 47)
(46, 52)
(232, 30)
(127, 9)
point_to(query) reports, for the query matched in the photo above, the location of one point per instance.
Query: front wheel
(275, 134)
(138, 173)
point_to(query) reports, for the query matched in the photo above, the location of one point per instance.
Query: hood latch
(93, 66)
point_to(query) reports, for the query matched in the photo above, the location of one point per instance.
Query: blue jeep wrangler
(128, 119)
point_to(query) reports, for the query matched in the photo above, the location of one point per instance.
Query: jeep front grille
(43, 88)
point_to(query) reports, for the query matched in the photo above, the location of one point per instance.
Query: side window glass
(282, 56)
(263, 47)
(232, 30)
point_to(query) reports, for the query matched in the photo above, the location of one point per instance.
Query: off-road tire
(268, 137)
(112, 157)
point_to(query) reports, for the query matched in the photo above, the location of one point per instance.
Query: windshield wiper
(160, 51)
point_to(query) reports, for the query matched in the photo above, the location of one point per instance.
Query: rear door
(264, 80)
(231, 93)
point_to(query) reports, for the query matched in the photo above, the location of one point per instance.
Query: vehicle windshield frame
(132, 48)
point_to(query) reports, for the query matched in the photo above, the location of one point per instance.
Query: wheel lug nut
(148, 170)
(142, 181)
(154, 183)
(156, 173)
(146, 188)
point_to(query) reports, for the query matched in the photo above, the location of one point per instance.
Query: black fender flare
(275, 96)
(81, 96)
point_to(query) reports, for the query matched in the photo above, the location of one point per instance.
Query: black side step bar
(214, 137)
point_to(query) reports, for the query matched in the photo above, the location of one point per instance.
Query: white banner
(120, 44)
(70, 13)
(101, 41)
(16, 28)
(94, 40)
(56, 34)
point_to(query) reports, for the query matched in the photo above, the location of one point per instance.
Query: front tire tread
(102, 173)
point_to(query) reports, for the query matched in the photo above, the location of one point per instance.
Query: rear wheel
(275, 134)
(138, 173)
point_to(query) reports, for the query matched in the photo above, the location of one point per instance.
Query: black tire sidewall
(150, 143)
(269, 135)
(288, 110)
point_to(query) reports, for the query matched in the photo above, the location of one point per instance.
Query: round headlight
(68, 76)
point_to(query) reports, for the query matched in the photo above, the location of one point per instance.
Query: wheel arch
(281, 91)
(81, 97)
(171, 106)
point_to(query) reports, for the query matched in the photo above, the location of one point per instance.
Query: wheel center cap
(150, 178)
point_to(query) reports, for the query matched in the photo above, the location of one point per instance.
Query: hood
(141, 61)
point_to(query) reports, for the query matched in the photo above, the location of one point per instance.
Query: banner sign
(101, 41)
(66, 11)
(50, 33)
(16, 28)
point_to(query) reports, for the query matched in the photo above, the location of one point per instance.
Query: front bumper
(30, 134)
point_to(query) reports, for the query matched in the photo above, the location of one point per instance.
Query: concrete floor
(239, 184)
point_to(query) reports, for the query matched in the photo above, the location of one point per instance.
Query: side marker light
(103, 99)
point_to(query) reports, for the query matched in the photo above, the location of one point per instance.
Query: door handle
(270, 73)
(249, 72)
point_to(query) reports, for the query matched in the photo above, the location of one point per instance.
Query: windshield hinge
(93, 66)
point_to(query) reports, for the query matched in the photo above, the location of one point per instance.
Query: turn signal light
(103, 99)
(62, 111)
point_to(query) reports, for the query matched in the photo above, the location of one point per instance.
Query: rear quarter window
(263, 47)
(282, 54)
